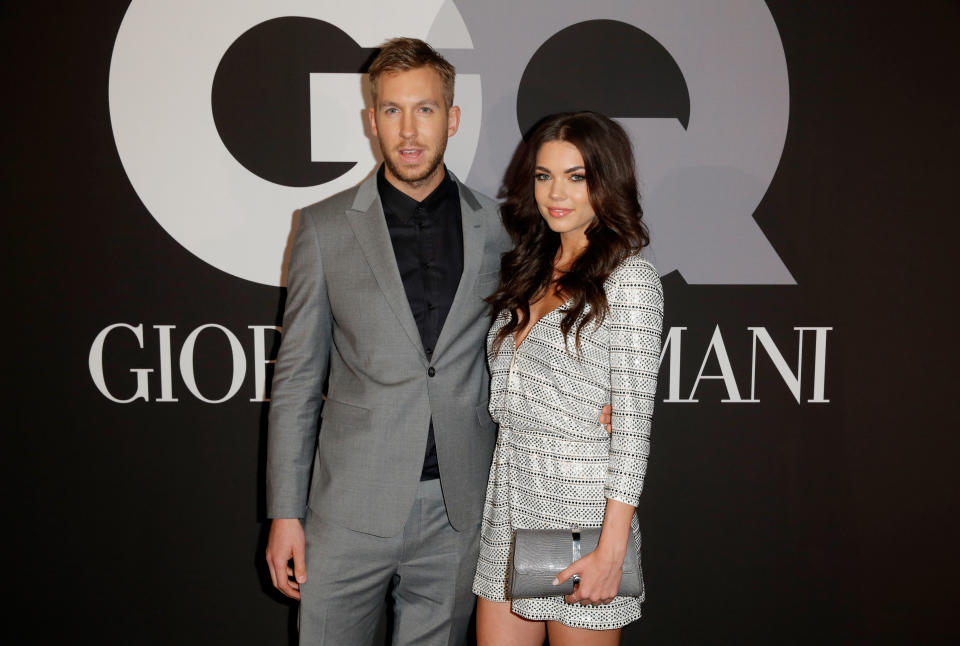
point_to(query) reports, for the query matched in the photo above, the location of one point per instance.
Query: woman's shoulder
(634, 286)
(636, 271)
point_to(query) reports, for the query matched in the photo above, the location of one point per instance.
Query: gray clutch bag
(539, 555)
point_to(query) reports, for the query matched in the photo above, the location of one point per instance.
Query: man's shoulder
(337, 203)
(483, 200)
(492, 218)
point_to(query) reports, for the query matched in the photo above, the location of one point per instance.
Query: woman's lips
(558, 213)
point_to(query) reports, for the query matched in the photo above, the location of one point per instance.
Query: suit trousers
(428, 569)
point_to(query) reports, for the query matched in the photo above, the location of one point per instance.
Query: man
(386, 288)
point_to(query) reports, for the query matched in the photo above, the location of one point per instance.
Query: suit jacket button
(431, 372)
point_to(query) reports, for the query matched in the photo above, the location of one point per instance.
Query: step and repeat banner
(795, 161)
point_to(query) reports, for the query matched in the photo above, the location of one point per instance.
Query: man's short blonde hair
(402, 54)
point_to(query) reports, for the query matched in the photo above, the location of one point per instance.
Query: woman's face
(560, 188)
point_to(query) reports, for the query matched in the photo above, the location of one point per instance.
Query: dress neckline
(516, 346)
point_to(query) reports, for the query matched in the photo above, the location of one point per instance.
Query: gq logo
(230, 114)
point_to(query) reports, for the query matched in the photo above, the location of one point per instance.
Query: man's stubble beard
(418, 180)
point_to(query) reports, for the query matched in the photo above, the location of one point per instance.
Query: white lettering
(186, 363)
(260, 361)
(819, 363)
(95, 364)
(673, 345)
(726, 370)
(166, 379)
(792, 380)
(673, 339)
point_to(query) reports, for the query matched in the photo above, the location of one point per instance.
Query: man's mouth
(411, 155)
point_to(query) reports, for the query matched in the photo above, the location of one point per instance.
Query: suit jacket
(347, 313)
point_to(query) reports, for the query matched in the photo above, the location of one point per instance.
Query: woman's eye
(541, 177)
(577, 178)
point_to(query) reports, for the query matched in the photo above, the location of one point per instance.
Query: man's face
(412, 123)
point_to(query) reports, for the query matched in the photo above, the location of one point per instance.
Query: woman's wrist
(615, 534)
(613, 550)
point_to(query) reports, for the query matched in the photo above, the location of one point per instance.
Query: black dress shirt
(427, 241)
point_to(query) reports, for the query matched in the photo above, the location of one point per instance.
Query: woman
(577, 320)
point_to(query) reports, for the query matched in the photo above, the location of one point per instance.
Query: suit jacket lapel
(366, 219)
(473, 243)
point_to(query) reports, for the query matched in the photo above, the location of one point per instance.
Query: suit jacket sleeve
(300, 372)
(635, 320)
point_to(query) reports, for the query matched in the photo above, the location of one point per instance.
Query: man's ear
(372, 116)
(453, 120)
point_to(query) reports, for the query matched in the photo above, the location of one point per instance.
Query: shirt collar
(402, 206)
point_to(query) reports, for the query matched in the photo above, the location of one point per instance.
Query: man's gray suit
(347, 311)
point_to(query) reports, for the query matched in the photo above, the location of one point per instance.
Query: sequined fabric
(554, 464)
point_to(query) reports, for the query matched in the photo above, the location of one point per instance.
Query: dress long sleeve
(635, 324)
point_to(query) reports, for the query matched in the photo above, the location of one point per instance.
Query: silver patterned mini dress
(554, 464)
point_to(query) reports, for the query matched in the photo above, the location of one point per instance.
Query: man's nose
(408, 126)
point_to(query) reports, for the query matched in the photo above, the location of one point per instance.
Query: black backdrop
(773, 522)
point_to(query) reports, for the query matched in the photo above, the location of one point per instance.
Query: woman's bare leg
(498, 626)
(561, 635)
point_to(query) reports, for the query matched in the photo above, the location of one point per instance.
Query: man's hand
(606, 416)
(287, 542)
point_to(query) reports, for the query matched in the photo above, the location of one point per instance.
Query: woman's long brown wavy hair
(527, 271)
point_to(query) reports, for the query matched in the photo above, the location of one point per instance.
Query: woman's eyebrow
(572, 169)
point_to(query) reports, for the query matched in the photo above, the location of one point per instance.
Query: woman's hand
(600, 572)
